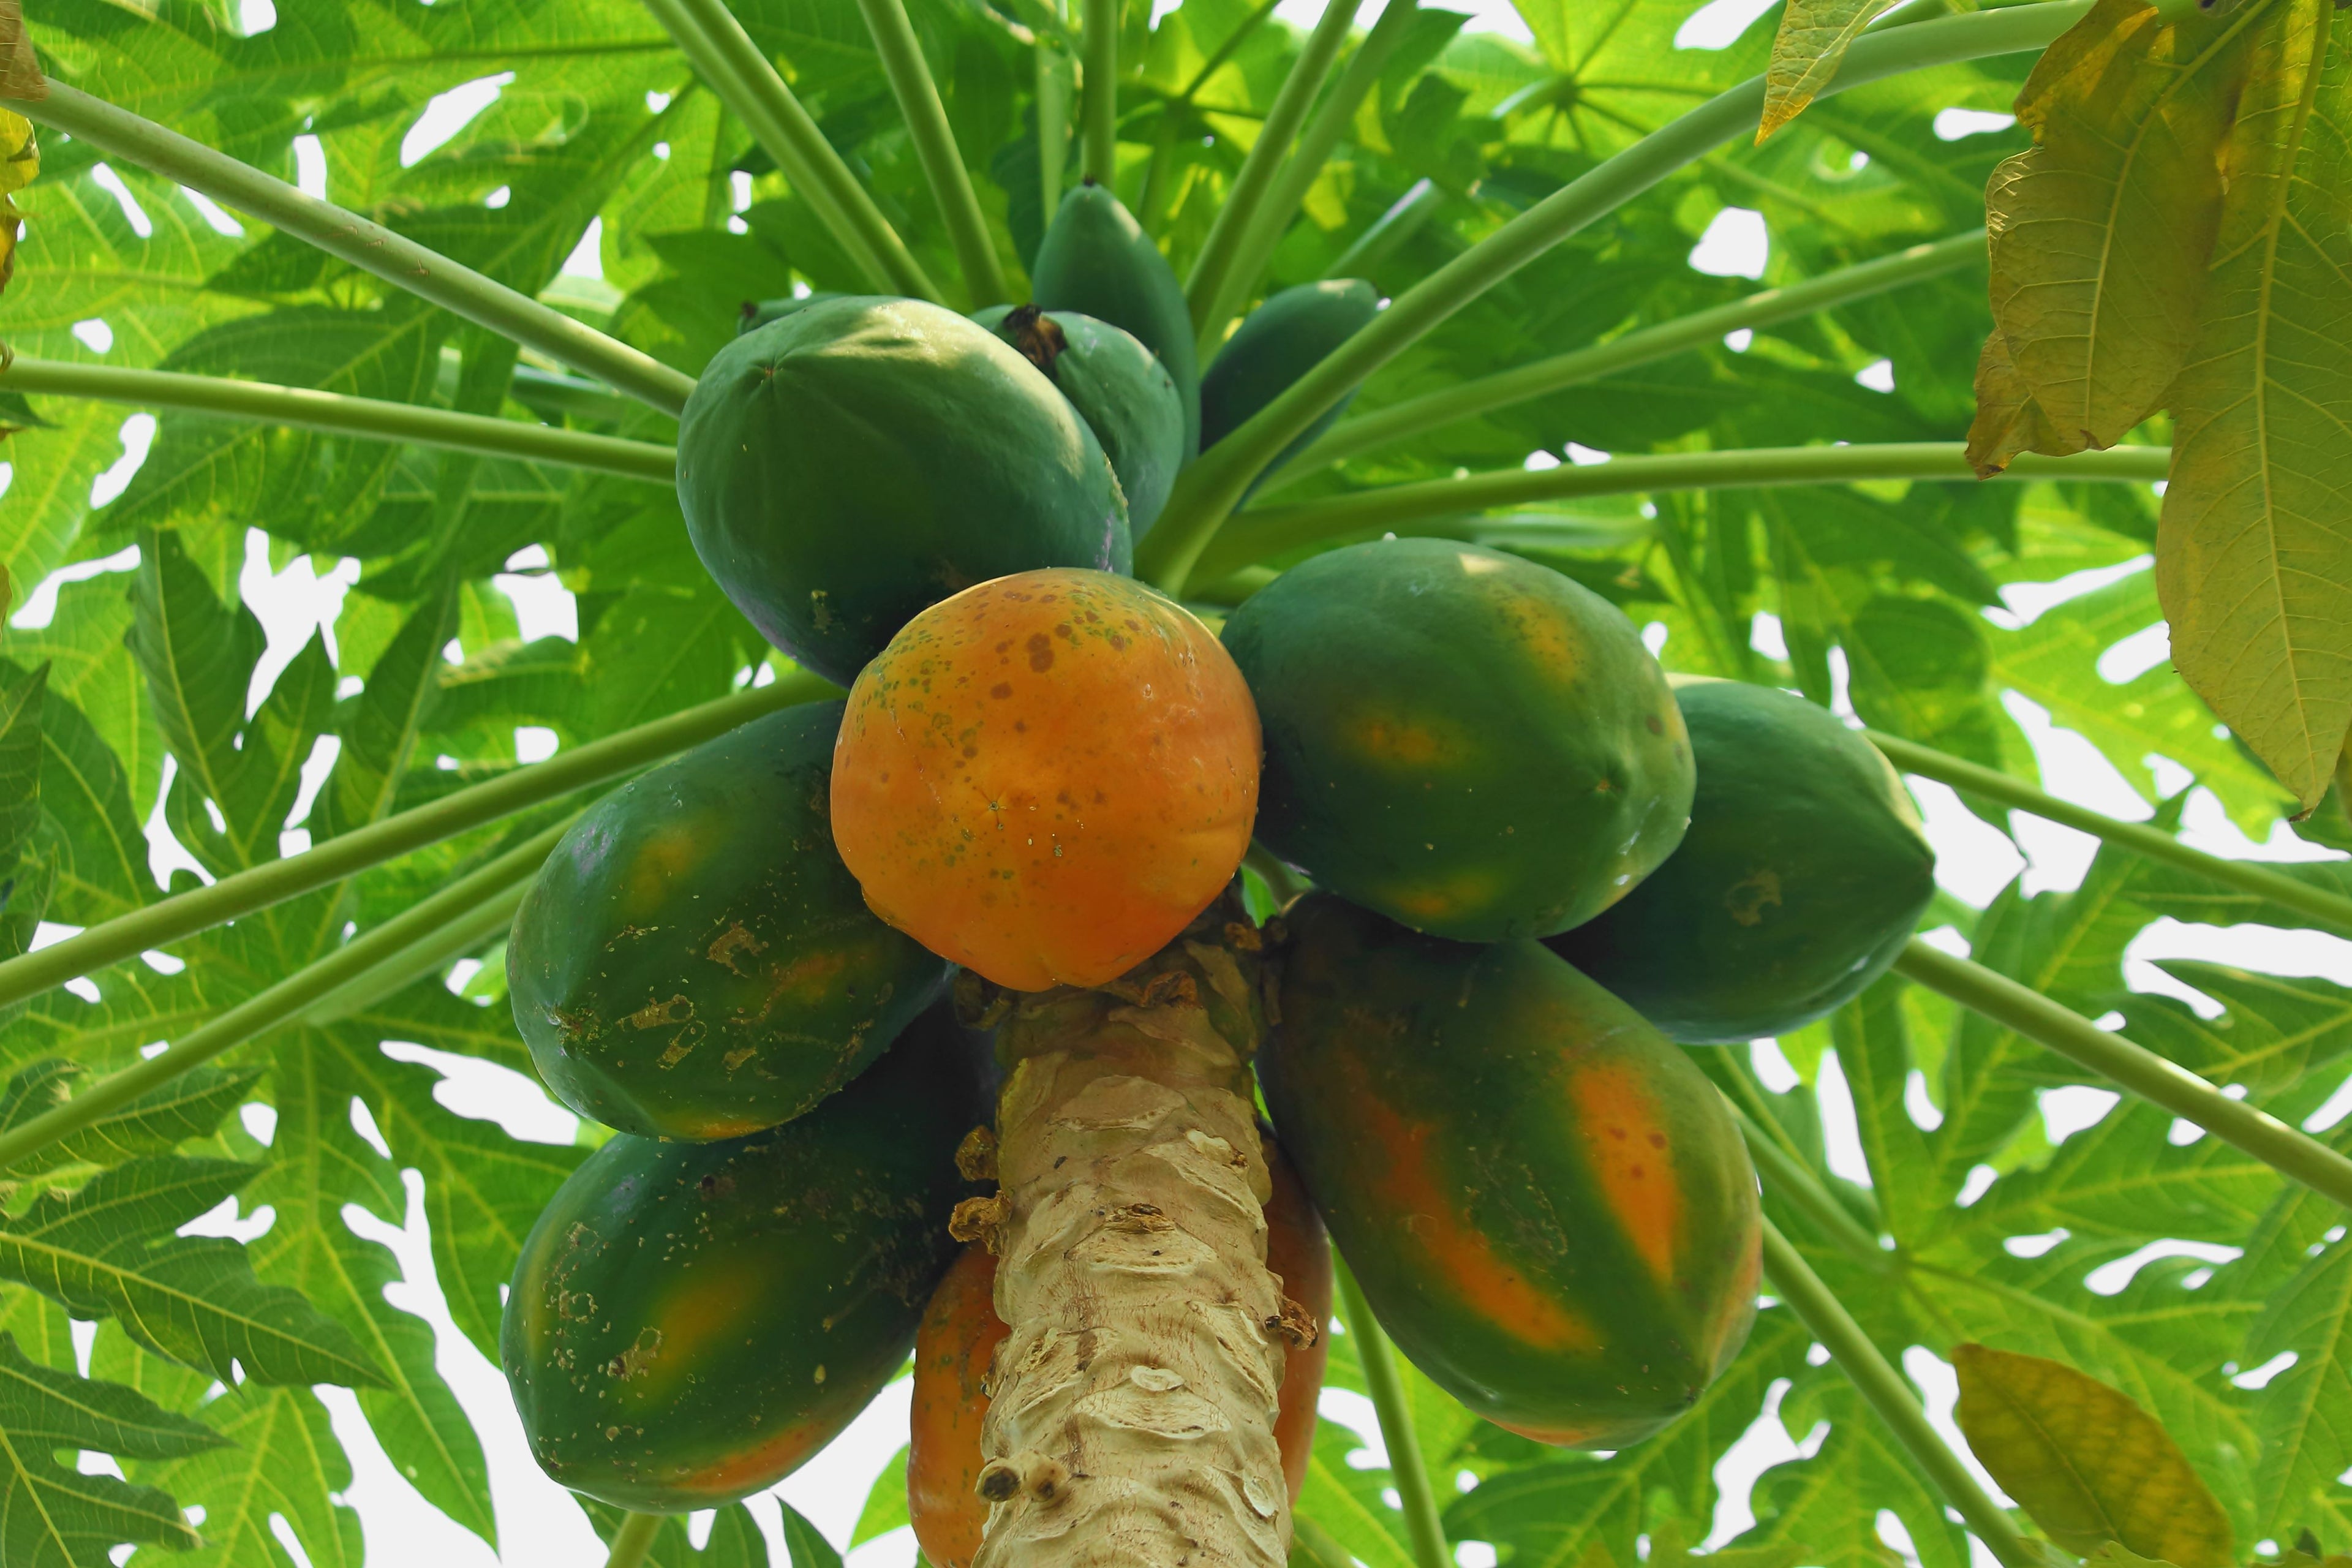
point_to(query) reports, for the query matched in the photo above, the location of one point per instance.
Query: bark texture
(1131, 1415)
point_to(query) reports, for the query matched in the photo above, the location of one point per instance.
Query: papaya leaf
(108, 1251)
(189, 1107)
(735, 1541)
(2101, 230)
(380, 735)
(279, 1459)
(886, 1503)
(806, 1542)
(2088, 1465)
(2305, 1413)
(1806, 51)
(2249, 546)
(53, 1517)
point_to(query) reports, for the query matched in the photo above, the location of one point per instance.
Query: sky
(542, 1526)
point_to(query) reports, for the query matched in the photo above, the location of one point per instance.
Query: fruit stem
(1264, 531)
(1298, 174)
(424, 922)
(1790, 1178)
(1386, 1385)
(1222, 249)
(367, 245)
(2292, 1153)
(370, 417)
(1878, 1383)
(1419, 415)
(1207, 492)
(935, 145)
(2315, 903)
(633, 1540)
(200, 909)
(1098, 155)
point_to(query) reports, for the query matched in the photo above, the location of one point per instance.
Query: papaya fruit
(1466, 742)
(1804, 873)
(1275, 345)
(848, 464)
(1547, 1204)
(695, 960)
(757, 313)
(689, 1322)
(1046, 777)
(1096, 260)
(1118, 387)
(960, 1331)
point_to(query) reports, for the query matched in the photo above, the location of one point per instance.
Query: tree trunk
(1131, 1415)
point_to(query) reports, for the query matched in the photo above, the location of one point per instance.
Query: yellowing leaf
(20, 160)
(1806, 51)
(2085, 1462)
(20, 72)
(2101, 230)
(2254, 557)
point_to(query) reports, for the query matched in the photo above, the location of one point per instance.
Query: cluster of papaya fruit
(1541, 868)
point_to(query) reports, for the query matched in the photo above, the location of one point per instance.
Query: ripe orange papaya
(960, 1331)
(1045, 777)
(1547, 1204)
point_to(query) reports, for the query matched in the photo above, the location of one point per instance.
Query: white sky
(539, 1523)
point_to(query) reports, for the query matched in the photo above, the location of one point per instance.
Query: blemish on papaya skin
(655, 1014)
(734, 940)
(1746, 899)
(1041, 652)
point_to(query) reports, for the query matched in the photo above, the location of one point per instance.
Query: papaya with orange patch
(1547, 1204)
(1045, 777)
(689, 1322)
(1470, 743)
(694, 961)
(960, 1331)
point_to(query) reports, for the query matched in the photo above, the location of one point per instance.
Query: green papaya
(1464, 741)
(757, 313)
(1119, 389)
(1547, 1204)
(1804, 874)
(1277, 344)
(689, 1322)
(695, 960)
(846, 467)
(1097, 260)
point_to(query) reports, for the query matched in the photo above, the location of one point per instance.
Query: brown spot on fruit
(1041, 652)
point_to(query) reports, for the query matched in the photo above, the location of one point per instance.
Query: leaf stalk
(633, 1540)
(284, 1001)
(1099, 113)
(1788, 1176)
(2294, 1154)
(1262, 532)
(1888, 1395)
(1386, 1385)
(373, 418)
(1206, 493)
(200, 909)
(2246, 876)
(935, 146)
(364, 243)
(1419, 415)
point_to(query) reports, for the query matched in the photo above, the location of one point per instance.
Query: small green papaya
(1464, 741)
(695, 960)
(757, 313)
(1804, 874)
(1282, 340)
(689, 1322)
(847, 465)
(1118, 387)
(1547, 1204)
(1097, 260)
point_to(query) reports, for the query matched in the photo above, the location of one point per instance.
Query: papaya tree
(1225, 733)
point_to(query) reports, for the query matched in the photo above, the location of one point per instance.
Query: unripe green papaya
(1547, 1204)
(852, 464)
(1804, 874)
(1119, 389)
(1464, 741)
(689, 1322)
(1275, 345)
(1097, 260)
(695, 960)
(757, 313)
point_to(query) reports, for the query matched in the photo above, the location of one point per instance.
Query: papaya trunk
(1132, 1407)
